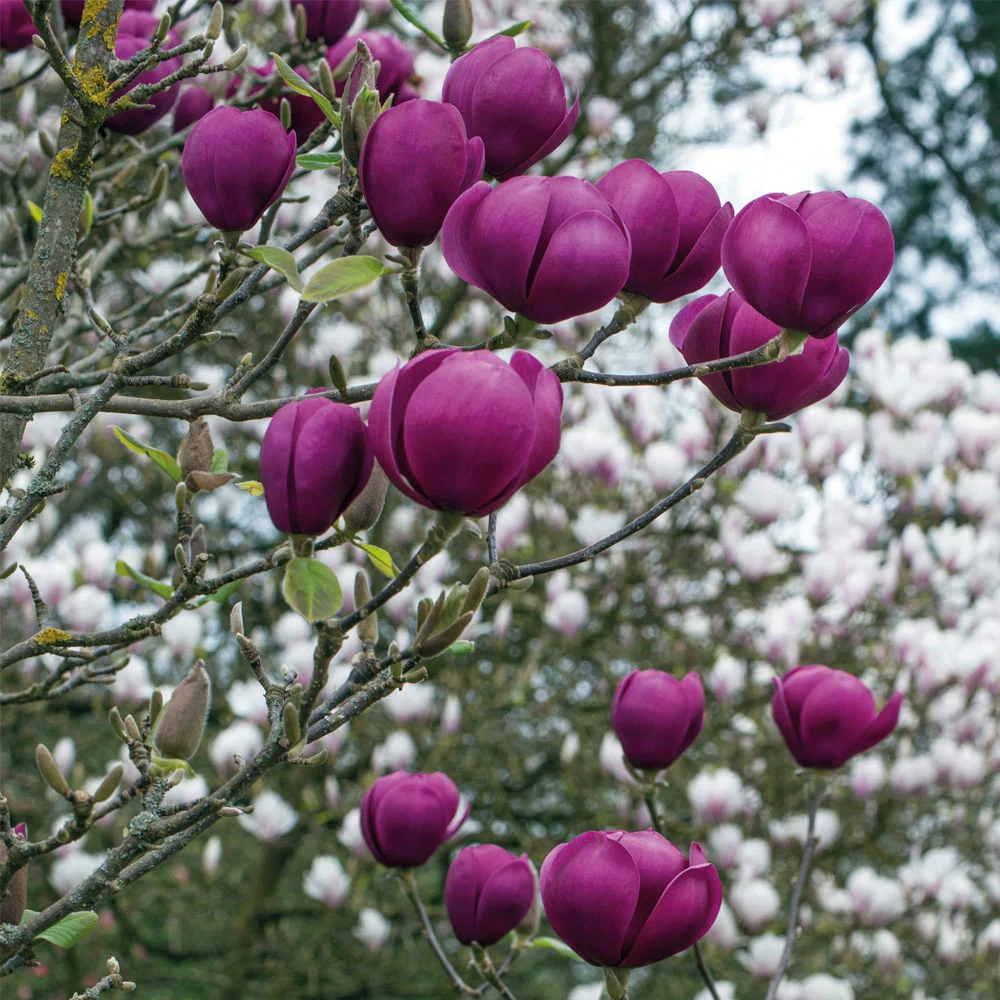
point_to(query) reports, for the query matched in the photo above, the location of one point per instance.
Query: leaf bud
(180, 497)
(439, 643)
(49, 771)
(366, 509)
(214, 28)
(290, 728)
(110, 782)
(182, 721)
(478, 586)
(456, 23)
(285, 114)
(236, 59)
(196, 449)
(117, 726)
(155, 705)
(236, 619)
(132, 729)
(46, 143)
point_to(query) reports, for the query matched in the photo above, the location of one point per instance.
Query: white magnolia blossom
(350, 835)
(372, 929)
(241, 738)
(755, 902)
(69, 870)
(397, 753)
(411, 703)
(271, 819)
(762, 955)
(327, 881)
(211, 855)
(715, 796)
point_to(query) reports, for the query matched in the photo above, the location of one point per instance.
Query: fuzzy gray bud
(290, 724)
(49, 771)
(214, 28)
(236, 619)
(364, 512)
(182, 721)
(110, 782)
(456, 24)
(12, 905)
(197, 448)
(118, 727)
(237, 58)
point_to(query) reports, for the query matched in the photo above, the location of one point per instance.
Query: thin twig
(410, 888)
(793, 906)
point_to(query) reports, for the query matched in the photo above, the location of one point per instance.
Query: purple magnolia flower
(394, 59)
(808, 261)
(405, 818)
(828, 716)
(719, 326)
(236, 164)
(135, 29)
(628, 899)
(488, 892)
(314, 460)
(514, 99)
(657, 717)
(16, 26)
(328, 20)
(306, 114)
(415, 161)
(547, 247)
(194, 104)
(463, 430)
(676, 222)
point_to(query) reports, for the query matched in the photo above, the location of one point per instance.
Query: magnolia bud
(236, 619)
(47, 144)
(214, 28)
(182, 721)
(132, 730)
(158, 184)
(528, 927)
(364, 512)
(155, 705)
(161, 30)
(290, 724)
(456, 24)
(478, 586)
(49, 771)
(236, 59)
(110, 782)
(285, 114)
(115, 718)
(437, 644)
(326, 84)
(197, 448)
(180, 496)
(300, 23)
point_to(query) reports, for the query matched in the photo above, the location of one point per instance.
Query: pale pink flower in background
(327, 881)
(86, 607)
(570, 749)
(211, 855)
(271, 819)
(351, 837)
(724, 843)
(755, 902)
(727, 678)
(602, 113)
(567, 613)
(765, 497)
(372, 929)
(762, 955)
(715, 796)
(241, 738)
(246, 700)
(612, 759)
(182, 634)
(69, 870)
(665, 464)
(187, 791)
(724, 933)
(868, 775)
(397, 753)
(412, 703)
(451, 715)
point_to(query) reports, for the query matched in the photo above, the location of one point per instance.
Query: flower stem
(410, 888)
(699, 958)
(484, 964)
(793, 908)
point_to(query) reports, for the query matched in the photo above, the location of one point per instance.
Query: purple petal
(584, 267)
(518, 102)
(650, 716)
(880, 727)
(275, 450)
(554, 141)
(590, 888)
(506, 898)
(835, 716)
(684, 913)
(547, 395)
(852, 255)
(698, 332)
(766, 256)
(659, 862)
(798, 683)
(701, 262)
(465, 72)
(645, 201)
(461, 892)
(694, 695)
(835, 373)
(512, 217)
(456, 236)
(475, 162)
(783, 720)
(468, 431)
(680, 325)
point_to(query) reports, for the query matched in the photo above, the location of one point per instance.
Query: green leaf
(554, 944)
(514, 30)
(301, 86)
(408, 14)
(223, 593)
(380, 559)
(69, 930)
(319, 161)
(122, 568)
(341, 277)
(252, 487)
(220, 461)
(35, 210)
(161, 458)
(278, 260)
(462, 647)
(312, 589)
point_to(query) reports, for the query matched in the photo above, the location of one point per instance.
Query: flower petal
(584, 267)
(590, 887)
(783, 720)
(766, 256)
(835, 716)
(505, 900)
(701, 262)
(456, 235)
(880, 727)
(547, 394)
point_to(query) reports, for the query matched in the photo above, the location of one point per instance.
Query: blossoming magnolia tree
(663, 723)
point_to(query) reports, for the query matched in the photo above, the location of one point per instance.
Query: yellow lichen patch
(31, 314)
(90, 19)
(61, 164)
(50, 635)
(94, 82)
(61, 286)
